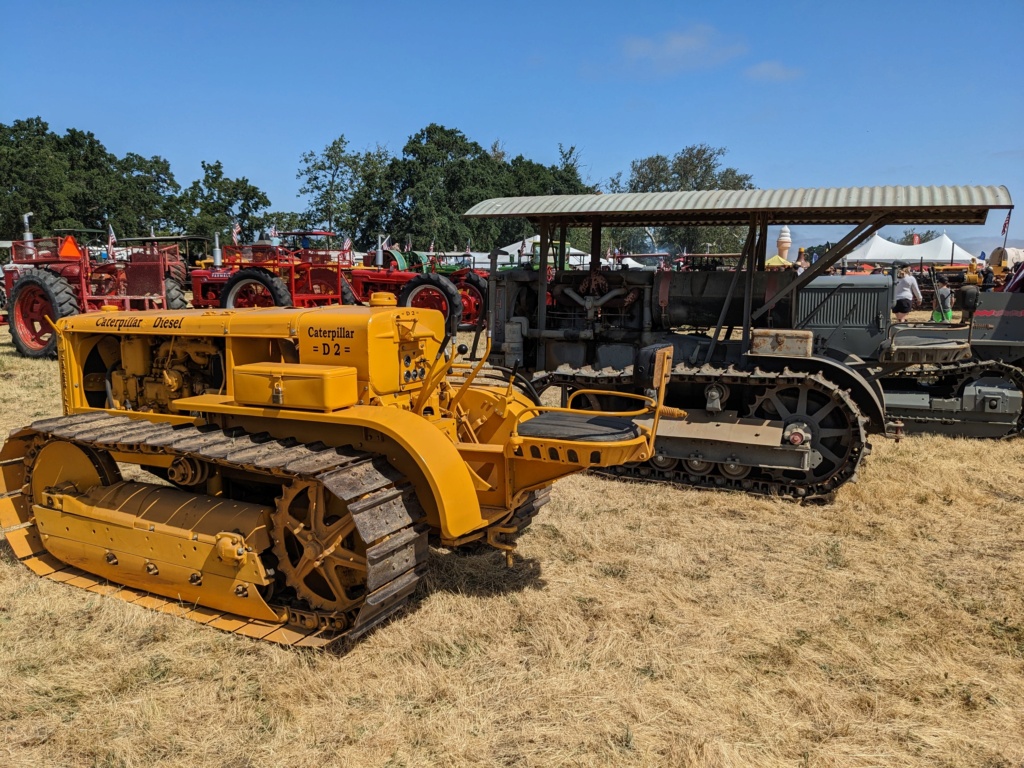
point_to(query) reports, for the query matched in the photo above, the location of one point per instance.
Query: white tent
(878, 250)
(574, 256)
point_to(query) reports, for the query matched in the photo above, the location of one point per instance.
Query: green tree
(33, 177)
(284, 221)
(372, 206)
(145, 197)
(92, 183)
(440, 175)
(329, 178)
(696, 167)
(213, 203)
(908, 236)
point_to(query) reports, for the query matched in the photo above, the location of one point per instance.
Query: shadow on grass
(480, 573)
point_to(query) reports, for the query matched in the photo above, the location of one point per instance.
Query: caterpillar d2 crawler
(300, 462)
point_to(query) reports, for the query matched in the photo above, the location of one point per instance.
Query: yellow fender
(440, 467)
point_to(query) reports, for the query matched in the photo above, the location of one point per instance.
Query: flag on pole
(386, 243)
(273, 230)
(347, 245)
(522, 248)
(111, 239)
(1006, 224)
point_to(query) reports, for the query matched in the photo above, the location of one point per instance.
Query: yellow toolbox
(296, 385)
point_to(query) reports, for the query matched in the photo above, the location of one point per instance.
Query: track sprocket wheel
(318, 548)
(808, 405)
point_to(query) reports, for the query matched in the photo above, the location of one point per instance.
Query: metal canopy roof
(834, 205)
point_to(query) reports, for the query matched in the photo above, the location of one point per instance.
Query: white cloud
(772, 71)
(699, 47)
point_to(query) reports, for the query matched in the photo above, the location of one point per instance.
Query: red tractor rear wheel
(434, 291)
(254, 288)
(473, 290)
(38, 299)
(175, 294)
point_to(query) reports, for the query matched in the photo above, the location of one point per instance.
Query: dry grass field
(641, 626)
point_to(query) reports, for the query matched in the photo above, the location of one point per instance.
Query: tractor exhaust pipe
(27, 236)
(380, 251)
(218, 256)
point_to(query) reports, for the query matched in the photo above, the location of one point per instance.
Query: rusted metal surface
(781, 341)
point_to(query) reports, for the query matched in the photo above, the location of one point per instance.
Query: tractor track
(758, 481)
(383, 506)
(961, 373)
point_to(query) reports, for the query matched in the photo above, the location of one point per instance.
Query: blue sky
(803, 94)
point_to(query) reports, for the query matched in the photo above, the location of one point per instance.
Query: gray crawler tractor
(769, 408)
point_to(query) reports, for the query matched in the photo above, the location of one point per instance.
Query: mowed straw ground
(641, 625)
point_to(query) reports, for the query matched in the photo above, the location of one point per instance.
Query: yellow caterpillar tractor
(279, 472)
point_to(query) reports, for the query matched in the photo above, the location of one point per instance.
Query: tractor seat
(584, 427)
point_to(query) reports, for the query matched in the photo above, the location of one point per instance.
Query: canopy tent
(573, 256)
(513, 248)
(878, 250)
(777, 261)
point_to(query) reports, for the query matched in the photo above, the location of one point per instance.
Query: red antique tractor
(53, 277)
(404, 276)
(264, 274)
(423, 279)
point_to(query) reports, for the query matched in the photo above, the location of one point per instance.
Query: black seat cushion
(555, 425)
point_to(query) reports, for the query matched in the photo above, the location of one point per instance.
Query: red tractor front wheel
(38, 300)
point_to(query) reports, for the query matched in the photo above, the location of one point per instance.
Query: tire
(175, 294)
(177, 271)
(434, 291)
(254, 288)
(38, 295)
(348, 296)
(476, 286)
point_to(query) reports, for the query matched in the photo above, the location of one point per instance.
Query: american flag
(273, 230)
(1006, 224)
(235, 231)
(111, 239)
(347, 245)
(522, 248)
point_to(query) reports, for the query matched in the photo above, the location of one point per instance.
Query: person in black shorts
(905, 295)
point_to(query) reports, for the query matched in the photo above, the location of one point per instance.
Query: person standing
(988, 278)
(907, 295)
(942, 302)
